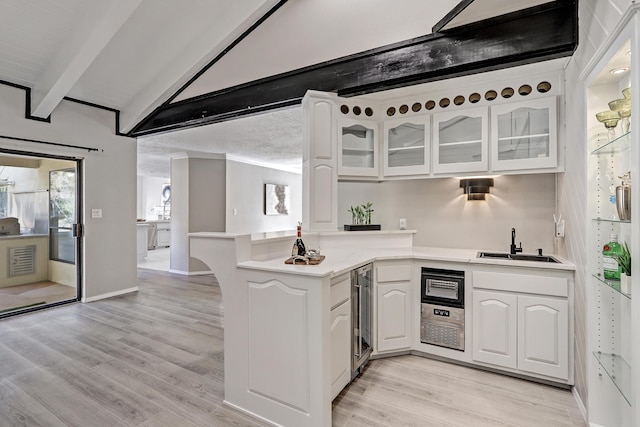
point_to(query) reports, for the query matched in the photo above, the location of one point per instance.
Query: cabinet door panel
(358, 148)
(494, 328)
(543, 336)
(394, 316)
(406, 146)
(461, 141)
(340, 347)
(524, 135)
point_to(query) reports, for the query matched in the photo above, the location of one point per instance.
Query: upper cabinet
(406, 146)
(460, 141)
(358, 147)
(524, 135)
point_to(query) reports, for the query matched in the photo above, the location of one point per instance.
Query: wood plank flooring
(155, 358)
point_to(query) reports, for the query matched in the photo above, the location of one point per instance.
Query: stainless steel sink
(518, 257)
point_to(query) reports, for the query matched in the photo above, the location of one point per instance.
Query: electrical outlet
(403, 223)
(96, 213)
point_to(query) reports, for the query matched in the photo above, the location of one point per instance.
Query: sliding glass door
(40, 215)
(62, 215)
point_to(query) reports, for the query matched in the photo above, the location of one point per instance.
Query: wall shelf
(617, 221)
(618, 145)
(613, 284)
(618, 371)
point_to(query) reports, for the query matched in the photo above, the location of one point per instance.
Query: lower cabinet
(340, 332)
(393, 306)
(525, 332)
(163, 237)
(394, 316)
(340, 347)
(495, 328)
(543, 335)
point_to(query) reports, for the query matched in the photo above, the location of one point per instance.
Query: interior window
(62, 215)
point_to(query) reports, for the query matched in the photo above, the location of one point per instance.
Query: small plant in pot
(624, 261)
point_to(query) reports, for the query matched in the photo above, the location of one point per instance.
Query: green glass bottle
(611, 268)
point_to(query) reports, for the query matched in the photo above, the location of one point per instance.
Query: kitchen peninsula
(283, 361)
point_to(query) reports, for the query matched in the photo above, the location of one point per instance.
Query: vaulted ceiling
(140, 57)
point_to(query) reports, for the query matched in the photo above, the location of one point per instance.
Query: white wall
(109, 179)
(443, 217)
(597, 19)
(149, 196)
(245, 187)
(198, 204)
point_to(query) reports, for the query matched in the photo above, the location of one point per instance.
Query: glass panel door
(39, 210)
(358, 148)
(406, 150)
(523, 135)
(460, 141)
(62, 215)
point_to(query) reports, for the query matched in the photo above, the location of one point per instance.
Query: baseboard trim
(190, 273)
(111, 294)
(581, 407)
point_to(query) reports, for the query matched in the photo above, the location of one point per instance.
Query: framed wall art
(276, 199)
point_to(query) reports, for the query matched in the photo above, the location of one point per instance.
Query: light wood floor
(33, 293)
(155, 358)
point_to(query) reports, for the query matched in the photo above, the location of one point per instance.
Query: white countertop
(338, 262)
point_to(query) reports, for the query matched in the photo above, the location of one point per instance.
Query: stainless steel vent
(22, 260)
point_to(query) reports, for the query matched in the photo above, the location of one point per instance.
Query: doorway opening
(40, 217)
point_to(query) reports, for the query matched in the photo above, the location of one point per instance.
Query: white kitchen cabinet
(494, 328)
(394, 316)
(543, 328)
(340, 347)
(461, 141)
(524, 135)
(407, 146)
(393, 306)
(522, 322)
(358, 148)
(163, 236)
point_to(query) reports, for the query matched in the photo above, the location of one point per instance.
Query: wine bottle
(302, 251)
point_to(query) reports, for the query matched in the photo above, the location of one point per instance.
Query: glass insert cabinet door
(406, 150)
(358, 148)
(460, 141)
(523, 135)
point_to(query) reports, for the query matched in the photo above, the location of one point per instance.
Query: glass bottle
(610, 266)
(298, 246)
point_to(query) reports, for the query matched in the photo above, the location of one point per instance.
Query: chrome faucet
(514, 250)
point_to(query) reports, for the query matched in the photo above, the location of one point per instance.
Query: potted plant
(624, 261)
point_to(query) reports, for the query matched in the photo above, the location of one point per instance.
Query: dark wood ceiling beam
(541, 33)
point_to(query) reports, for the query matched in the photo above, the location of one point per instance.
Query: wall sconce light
(476, 188)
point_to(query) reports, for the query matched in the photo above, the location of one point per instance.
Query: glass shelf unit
(615, 221)
(617, 145)
(618, 370)
(613, 284)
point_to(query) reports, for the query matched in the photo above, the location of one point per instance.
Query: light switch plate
(403, 223)
(96, 213)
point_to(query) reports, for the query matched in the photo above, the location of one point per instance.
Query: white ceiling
(133, 55)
